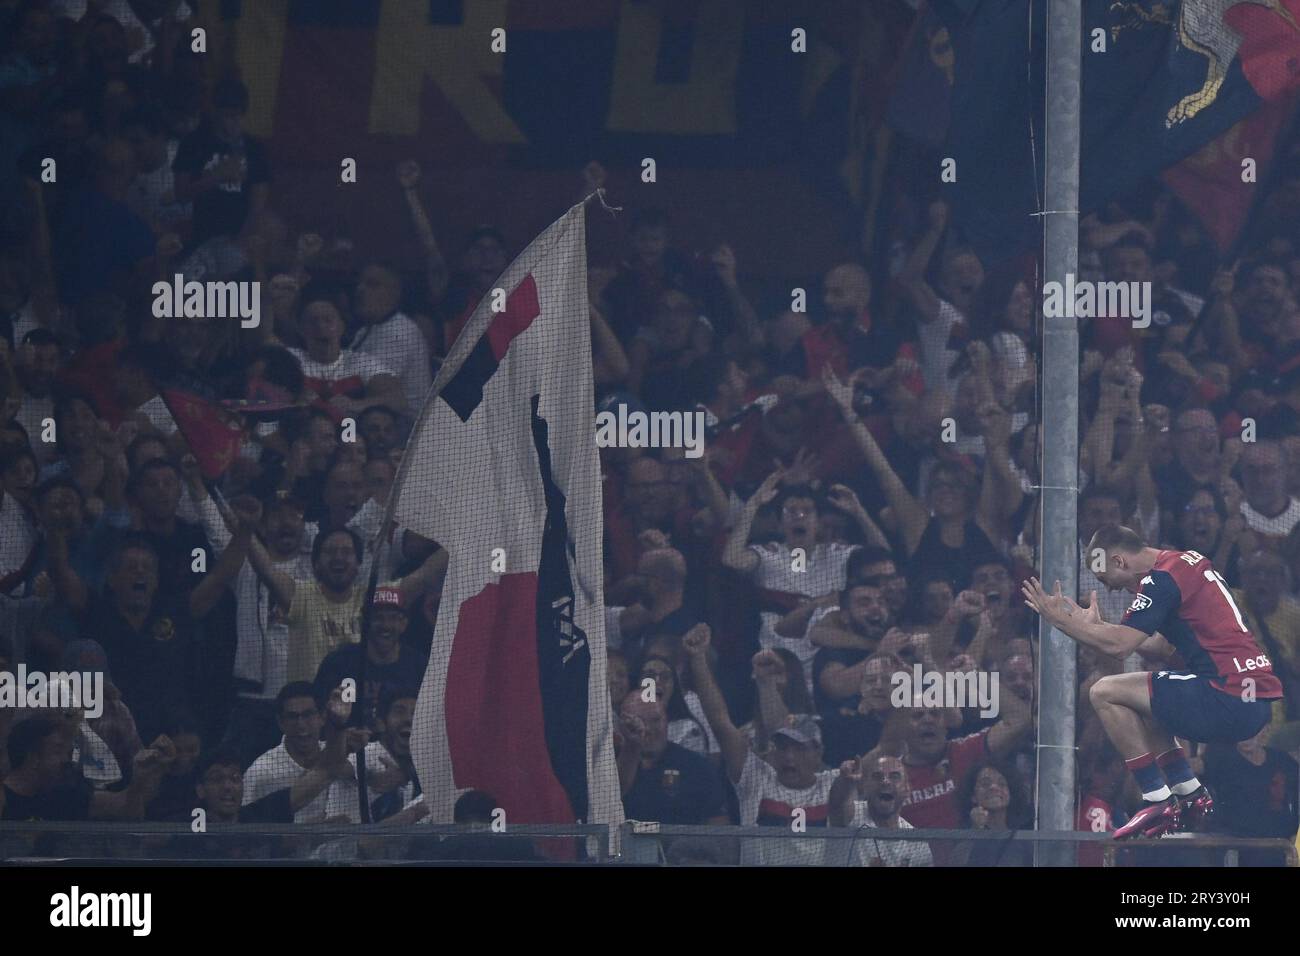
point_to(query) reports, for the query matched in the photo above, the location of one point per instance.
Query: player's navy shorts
(1189, 707)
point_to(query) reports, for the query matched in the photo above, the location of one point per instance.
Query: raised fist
(767, 664)
(337, 709)
(696, 640)
(969, 603)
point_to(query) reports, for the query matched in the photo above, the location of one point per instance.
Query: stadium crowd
(867, 501)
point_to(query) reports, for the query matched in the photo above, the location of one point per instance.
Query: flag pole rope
(600, 194)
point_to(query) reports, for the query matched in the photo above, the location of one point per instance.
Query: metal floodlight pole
(1058, 537)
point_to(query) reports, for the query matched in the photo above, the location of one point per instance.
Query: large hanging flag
(502, 470)
(1212, 182)
(1161, 79)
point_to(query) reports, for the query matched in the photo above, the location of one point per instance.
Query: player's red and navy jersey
(1186, 600)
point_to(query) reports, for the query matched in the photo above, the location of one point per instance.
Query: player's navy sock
(1178, 772)
(1149, 778)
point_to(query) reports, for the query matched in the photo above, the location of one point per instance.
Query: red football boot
(1153, 820)
(1194, 810)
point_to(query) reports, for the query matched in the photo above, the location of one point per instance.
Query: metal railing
(633, 843)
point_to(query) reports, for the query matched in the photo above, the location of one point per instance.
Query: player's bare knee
(1103, 691)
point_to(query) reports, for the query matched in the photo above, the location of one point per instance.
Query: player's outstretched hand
(1092, 613)
(1058, 608)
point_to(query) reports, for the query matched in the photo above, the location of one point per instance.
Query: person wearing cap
(324, 611)
(789, 789)
(389, 665)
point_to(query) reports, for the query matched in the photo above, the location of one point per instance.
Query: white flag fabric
(502, 470)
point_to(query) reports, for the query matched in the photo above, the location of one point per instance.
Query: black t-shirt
(683, 788)
(159, 668)
(68, 800)
(175, 797)
(629, 298)
(176, 574)
(273, 808)
(956, 564)
(1175, 487)
(845, 732)
(403, 675)
(834, 655)
(221, 211)
(1253, 801)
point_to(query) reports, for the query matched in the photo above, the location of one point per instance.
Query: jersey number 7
(1217, 579)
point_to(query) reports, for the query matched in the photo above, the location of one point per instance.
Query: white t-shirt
(95, 758)
(399, 344)
(889, 852)
(775, 572)
(1279, 525)
(343, 798)
(694, 733)
(765, 801)
(277, 770)
(936, 357)
(349, 365)
(262, 636)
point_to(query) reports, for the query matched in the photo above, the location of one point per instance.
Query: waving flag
(213, 433)
(502, 471)
(1176, 75)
